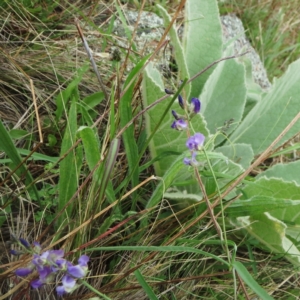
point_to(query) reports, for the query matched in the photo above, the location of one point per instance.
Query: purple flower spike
(179, 125)
(180, 100)
(169, 92)
(195, 105)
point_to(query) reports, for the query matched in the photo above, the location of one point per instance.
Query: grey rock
(150, 30)
(233, 29)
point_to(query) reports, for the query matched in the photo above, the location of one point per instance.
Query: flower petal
(37, 283)
(180, 101)
(195, 105)
(187, 161)
(83, 260)
(60, 290)
(199, 140)
(77, 271)
(179, 125)
(68, 285)
(24, 243)
(23, 271)
(174, 113)
(16, 252)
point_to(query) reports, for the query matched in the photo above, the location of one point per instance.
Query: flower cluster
(49, 264)
(193, 108)
(195, 142)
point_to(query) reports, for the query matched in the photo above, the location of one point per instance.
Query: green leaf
(7, 145)
(260, 204)
(166, 182)
(34, 156)
(19, 133)
(65, 95)
(224, 96)
(126, 115)
(273, 113)
(272, 233)
(165, 138)
(145, 285)
(278, 189)
(91, 146)
(249, 280)
(202, 40)
(239, 153)
(92, 100)
(254, 91)
(287, 172)
(178, 50)
(68, 175)
(269, 211)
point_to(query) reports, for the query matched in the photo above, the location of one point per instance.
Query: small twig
(214, 63)
(36, 111)
(243, 286)
(208, 204)
(88, 51)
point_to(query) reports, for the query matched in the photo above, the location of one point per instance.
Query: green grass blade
(145, 285)
(181, 249)
(128, 136)
(249, 280)
(64, 96)
(34, 156)
(68, 176)
(91, 146)
(7, 145)
(109, 165)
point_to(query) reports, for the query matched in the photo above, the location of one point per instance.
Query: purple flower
(68, 285)
(24, 243)
(37, 283)
(79, 270)
(187, 161)
(195, 105)
(192, 161)
(174, 113)
(16, 252)
(195, 142)
(22, 272)
(179, 124)
(49, 264)
(44, 272)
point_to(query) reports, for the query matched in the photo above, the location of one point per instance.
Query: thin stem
(88, 51)
(221, 204)
(94, 290)
(210, 209)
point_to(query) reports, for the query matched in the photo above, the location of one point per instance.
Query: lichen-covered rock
(150, 30)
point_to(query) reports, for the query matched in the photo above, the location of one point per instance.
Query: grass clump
(76, 174)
